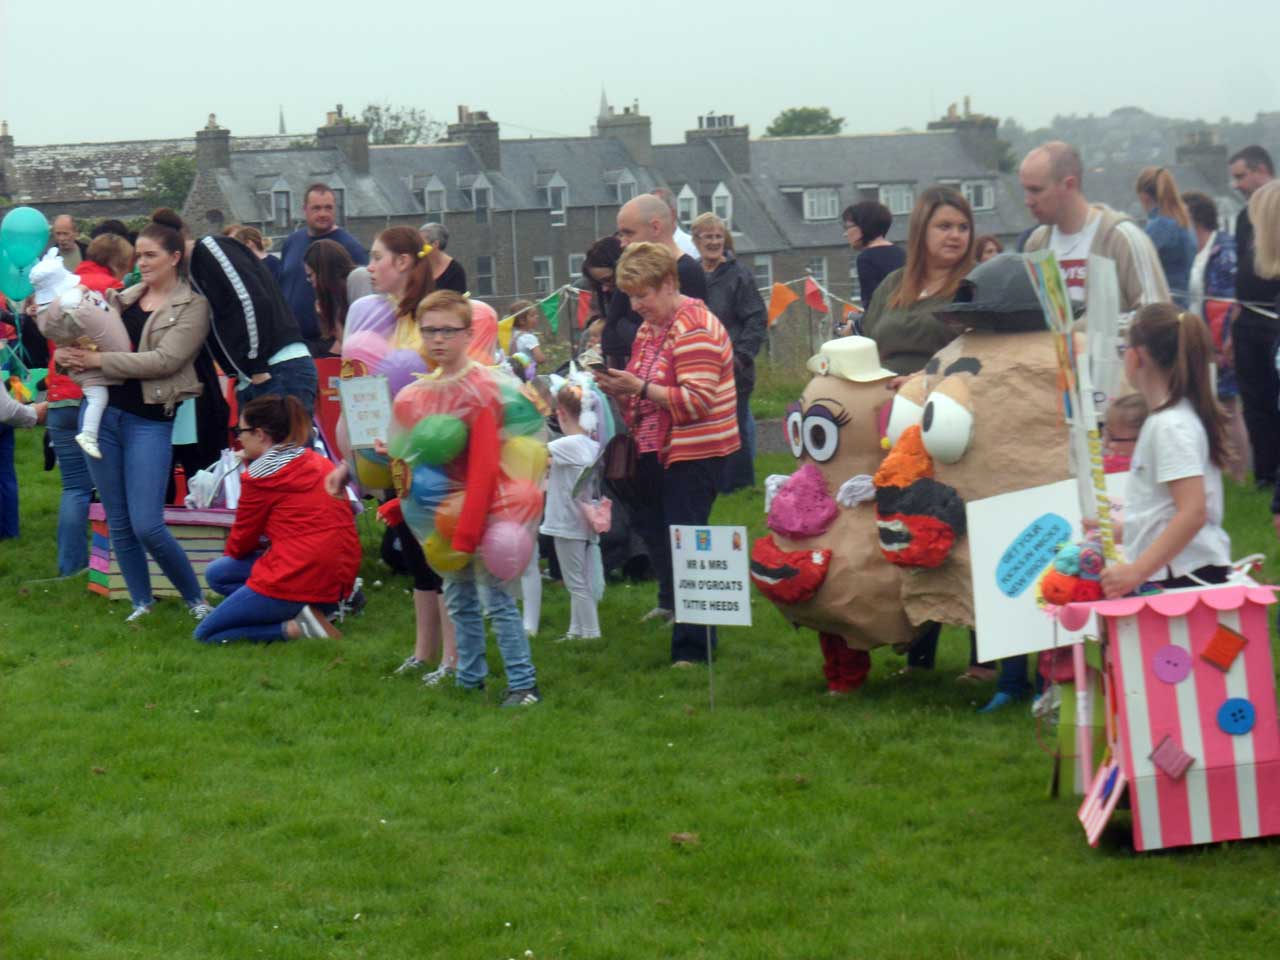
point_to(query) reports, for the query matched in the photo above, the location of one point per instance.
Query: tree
(804, 122)
(170, 182)
(399, 125)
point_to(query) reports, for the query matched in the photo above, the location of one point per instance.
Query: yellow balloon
(442, 557)
(373, 476)
(524, 458)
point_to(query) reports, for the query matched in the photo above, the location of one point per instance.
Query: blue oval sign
(1033, 550)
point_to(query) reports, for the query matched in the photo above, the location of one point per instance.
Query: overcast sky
(73, 71)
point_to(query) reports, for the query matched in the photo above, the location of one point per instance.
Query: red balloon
(517, 500)
(448, 514)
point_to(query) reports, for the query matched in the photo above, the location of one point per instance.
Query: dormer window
(686, 206)
(553, 193)
(282, 215)
(981, 194)
(101, 185)
(130, 183)
(722, 204)
(625, 187)
(898, 197)
(480, 193)
(821, 203)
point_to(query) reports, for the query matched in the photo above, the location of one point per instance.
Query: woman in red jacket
(313, 551)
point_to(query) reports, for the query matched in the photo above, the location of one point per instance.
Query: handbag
(598, 514)
(619, 458)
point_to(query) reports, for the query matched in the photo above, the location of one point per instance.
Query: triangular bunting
(813, 295)
(550, 308)
(781, 298)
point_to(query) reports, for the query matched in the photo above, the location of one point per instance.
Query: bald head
(646, 218)
(1059, 160)
(1051, 176)
(64, 233)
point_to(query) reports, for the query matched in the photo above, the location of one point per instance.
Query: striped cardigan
(695, 364)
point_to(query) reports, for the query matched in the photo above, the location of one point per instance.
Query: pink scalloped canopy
(1171, 603)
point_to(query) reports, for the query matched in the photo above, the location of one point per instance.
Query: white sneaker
(411, 665)
(139, 611)
(316, 625)
(89, 445)
(438, 676)
(200, 610)
(658, 613)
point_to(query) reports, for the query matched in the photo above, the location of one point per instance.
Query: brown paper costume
(821, 564)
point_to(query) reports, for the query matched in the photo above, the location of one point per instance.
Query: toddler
(1124, 420)
(71, 315)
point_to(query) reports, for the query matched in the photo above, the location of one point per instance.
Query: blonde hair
(709, 221)
(111, 251)
(445, 301)
(522, 312)
(645, 266)
(251, 237)
(1131, 410)
(1264, 213)
(1158, 184)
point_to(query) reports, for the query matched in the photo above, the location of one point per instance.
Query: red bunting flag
(584, 307)
(813, 295)
(849, 310)
(781, 298)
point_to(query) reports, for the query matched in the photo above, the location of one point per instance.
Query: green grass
(159, 798)
(775, 388)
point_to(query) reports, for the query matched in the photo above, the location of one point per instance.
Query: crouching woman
(280, 591)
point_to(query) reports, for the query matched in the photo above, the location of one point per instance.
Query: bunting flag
(781, 298)
(850, 310)
(584, 307)
(504, 333)
(550, 308)
(813, 295)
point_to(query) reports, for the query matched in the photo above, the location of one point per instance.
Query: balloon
(439, 438)
(524, 458)
(401, 448)
(506, 548)
(24, 235)
(372, 475)
(419, 520)
(519, 415)
(13, 282)
(517, 500)
(484, 332)
(430, 486)
(448, 513)
(442, 557)
(365, 346)
(372, 314)
(398, 367)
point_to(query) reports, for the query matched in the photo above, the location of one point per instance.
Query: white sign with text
(366, 408)
(710, 567)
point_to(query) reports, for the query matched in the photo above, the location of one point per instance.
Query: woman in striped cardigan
(680, 402)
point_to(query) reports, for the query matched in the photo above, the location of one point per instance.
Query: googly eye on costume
(795, 421)
(947, 425)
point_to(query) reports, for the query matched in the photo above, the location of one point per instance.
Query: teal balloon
(13, 282)
(24, 235)
(520, 417)
(437, 439)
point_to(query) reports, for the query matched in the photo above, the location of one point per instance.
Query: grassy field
(161, 799)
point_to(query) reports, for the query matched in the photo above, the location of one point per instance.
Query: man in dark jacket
(734, 299)
(320, 210)
(252, 332)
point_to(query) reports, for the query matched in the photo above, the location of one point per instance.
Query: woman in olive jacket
(167, 325)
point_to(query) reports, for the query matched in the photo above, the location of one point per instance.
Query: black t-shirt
(621, 322)
(127, 396)
(453, 278)
(874, 264)
(1251, 288)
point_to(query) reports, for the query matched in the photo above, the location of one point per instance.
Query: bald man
(645, 218)
(1052, 177)
(66, 239)
(681, 236)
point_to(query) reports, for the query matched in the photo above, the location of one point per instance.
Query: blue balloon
(430, 485)
(419, 520)
(24, 235)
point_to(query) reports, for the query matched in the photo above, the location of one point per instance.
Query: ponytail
(283, 419)
(1180, 344)
(405, 241)
(1158, 184)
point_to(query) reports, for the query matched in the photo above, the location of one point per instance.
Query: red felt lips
(787, 576)
(915, 540)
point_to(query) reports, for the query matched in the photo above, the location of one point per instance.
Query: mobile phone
(598, 367)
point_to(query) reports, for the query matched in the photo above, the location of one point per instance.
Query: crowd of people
(165, 319)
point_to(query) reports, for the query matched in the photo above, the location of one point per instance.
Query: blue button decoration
(1236, 716)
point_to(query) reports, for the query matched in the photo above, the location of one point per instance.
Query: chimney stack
(1201, 149)
(476, 129)
(350, 137)
(977, 133)
(213, 146)
(633, 129)
(734, 141)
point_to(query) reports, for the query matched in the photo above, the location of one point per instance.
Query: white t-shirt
(685, 242)
(1195, 283)
(569, 457)
(525, 343)
(1173, 445)
(1072, 253)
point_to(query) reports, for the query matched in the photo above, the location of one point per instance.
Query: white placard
(712, 576)
(1012, 540)
(366, 408)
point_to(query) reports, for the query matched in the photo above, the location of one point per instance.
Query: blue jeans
(131, 478)
(245, 614)
(77, 490)
(290, 378)
(463, 599)
(8, 484)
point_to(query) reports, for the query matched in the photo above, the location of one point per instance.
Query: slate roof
(260, 172)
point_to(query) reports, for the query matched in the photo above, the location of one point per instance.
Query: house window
(340, 205)
(980, 194)
(543, 275)
(625, 190)
(576, 261)
(821, 203)
(433, 200)
(556, 197)
(101, 185)
(281, 215)
(686, 206)
(762, 268)
(130, 183)
(484, 277)
(722, 204)
(817, 267)
(481, 198)
(898, 197)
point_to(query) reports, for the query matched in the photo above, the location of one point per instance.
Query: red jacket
(314, 552)
(98, 279)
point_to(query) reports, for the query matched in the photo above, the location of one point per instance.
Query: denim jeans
(8, 484)
(290, 378)
(463, 599)
(245, 614)
(688, 493)
(77, 490)
(131, 479)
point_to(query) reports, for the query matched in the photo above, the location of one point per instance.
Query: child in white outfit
(564, 521)
(71, 315)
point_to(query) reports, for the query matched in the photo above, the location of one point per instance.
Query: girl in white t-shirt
(1173, 534)
(564, 520)
(523, 338)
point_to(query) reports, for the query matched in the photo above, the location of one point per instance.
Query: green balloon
(520, 417)
(13, 282)
(437, 439)
(24, 235)
(401, 447)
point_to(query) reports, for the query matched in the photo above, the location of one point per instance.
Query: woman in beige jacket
(167, 324)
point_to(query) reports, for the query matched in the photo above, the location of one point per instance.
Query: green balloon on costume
(24, 235)
(13, 282)
(520, 417)
(437, 439)
(401, 447)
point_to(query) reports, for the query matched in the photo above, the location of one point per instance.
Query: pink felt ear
(882, 417)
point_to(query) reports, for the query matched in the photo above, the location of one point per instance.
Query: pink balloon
(372, 314)
(506, 549)
(367, 347)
